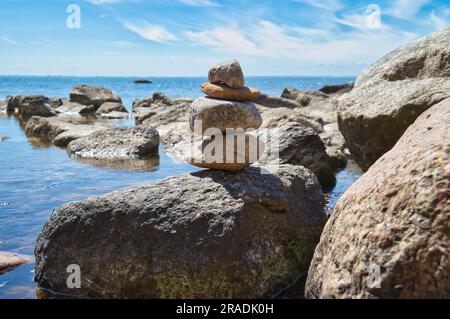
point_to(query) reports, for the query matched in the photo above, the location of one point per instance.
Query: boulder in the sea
(9, 261)
(221, 91)
(116, 143)
(223, 115)
(31, 105)
(90, 95)
(142, 81)
(389, 95)
(228, 73)
(61, 129)
(388, 236)
(208, 234)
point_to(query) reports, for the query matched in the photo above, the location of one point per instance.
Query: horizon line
(166, 76)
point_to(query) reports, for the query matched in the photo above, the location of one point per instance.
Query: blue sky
(186, 37)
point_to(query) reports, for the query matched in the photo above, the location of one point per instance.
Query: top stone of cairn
(228, 73)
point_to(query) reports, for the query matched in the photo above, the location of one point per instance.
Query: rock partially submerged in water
(142, 81)
(109, 107)
(208, 234)
(388, 235)
(389, 95)
(30, 105)
(62, 129)
(90, 95)
(117, 143)
(10, 261)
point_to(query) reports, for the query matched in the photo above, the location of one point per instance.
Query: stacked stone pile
(223, 120)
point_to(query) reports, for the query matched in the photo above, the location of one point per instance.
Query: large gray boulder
(90, 95)
(208, 234)
(223, 114)
(116, 143)
(388, 235)
(228, 73)
(392, 93)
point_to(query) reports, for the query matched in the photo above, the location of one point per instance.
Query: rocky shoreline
(251, 230)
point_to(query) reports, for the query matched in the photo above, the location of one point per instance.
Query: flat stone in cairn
(224, 92)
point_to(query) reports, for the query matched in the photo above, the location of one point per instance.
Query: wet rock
(337, 88)
(389, 95)
(75, 132)
(300, 145)
(222, 114)
(142, 81)
(228, 73)
(9, 261)
(209, 234)
(388, 235)
(223, 92)
(89, 95)
(109, 107)
(116, 143)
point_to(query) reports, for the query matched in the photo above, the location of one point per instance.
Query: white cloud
(200, 3)
(437, 21)
(102, 2)
(9, 40)
(300, 45)
(405, 9)
(150, 32)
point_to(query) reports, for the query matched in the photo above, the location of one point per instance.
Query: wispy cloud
(328, 5)
(9, 40)
(150, 32)
(405, 9)
(200, 3)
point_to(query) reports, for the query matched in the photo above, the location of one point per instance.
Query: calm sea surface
(36, 178)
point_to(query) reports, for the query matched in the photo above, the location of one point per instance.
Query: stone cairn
(223, 119)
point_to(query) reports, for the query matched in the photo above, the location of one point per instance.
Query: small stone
(228, 73)
(224, 92)
(223, 115)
